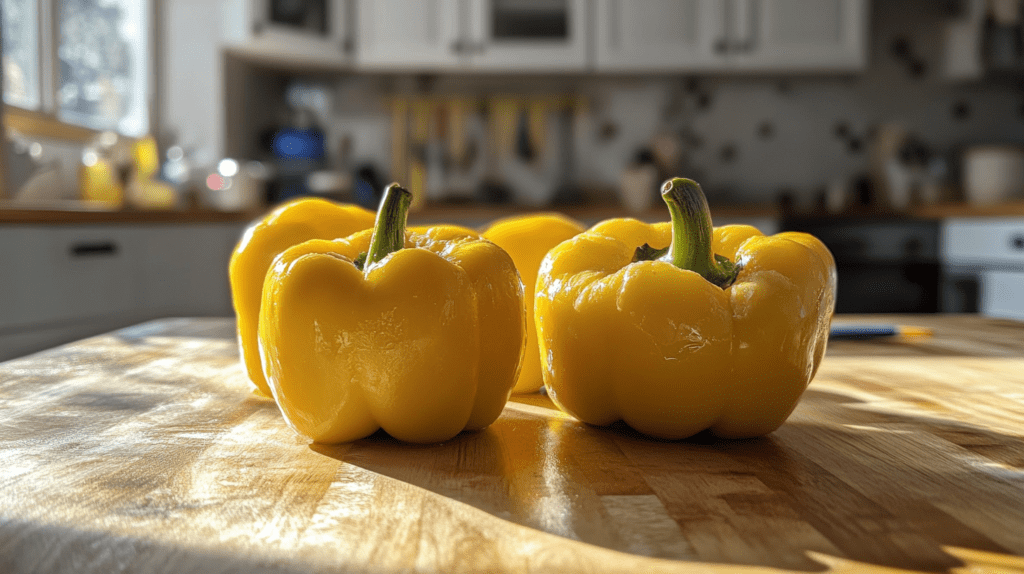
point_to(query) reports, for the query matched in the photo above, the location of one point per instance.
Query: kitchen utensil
(993, 174)
(466, 171)
(857, 332)
(837, 195)
(419, 137)
(503, 117)
(1004, 41)
(962, 43)
(537, 125)
(400, 139)
(888, 176)
(526, 152)
(458, 140)
(536, 179)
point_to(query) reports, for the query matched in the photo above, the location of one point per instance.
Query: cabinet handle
(1017, 242)
(99, 248)
(466, 47)
(722, 46)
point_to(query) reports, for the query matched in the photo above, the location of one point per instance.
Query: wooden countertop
(143, 451)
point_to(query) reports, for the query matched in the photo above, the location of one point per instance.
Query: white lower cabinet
(64, 282)
(185, 269)
(988, 254)
(60, 274)
(1002, 294)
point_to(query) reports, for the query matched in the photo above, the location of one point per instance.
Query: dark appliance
(305, 14)
(884, 265)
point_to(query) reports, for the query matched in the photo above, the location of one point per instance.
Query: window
(21, 53)
(80, 62)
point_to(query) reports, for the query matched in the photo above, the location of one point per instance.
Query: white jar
(993, 174)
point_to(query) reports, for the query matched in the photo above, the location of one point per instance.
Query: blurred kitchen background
(143, 135)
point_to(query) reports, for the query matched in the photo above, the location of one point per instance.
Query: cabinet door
(409, 34)
(185, 270)
(527, 35)
(668, 35)
(825, 35)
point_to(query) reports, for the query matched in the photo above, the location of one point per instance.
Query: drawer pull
(1017, 242)
(94, 249)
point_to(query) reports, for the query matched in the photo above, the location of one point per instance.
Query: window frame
(45, 121)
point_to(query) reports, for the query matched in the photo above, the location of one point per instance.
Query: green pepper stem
(389, 227)
(691, 233)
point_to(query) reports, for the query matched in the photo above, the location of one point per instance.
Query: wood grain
(143, 451)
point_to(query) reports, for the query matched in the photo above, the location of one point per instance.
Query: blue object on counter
(294, 143)
(868, 332)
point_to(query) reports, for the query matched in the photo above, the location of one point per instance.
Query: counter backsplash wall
(747, 139)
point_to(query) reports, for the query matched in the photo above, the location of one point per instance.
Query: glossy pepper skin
(528, 239)
(418, 332)
(633, 333)
(288, 225)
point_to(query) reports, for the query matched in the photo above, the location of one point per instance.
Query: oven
(884, 264)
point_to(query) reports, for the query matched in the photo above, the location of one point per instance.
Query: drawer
(60, 274)
(1002, 294)
(984, 243)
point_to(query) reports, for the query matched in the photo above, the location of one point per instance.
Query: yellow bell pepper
(288, 225)
(527, 239)
(722, 329)
(417, 332)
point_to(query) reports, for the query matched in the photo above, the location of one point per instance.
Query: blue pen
(840, 332)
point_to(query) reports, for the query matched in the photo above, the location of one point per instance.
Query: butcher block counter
(144, 451)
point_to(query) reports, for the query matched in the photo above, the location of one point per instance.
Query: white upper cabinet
(826, 35)
(527, 35)
(482, 35)
(560, 35)
(657, 35)
(731, 35)
(410, 35)
(314, 32)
